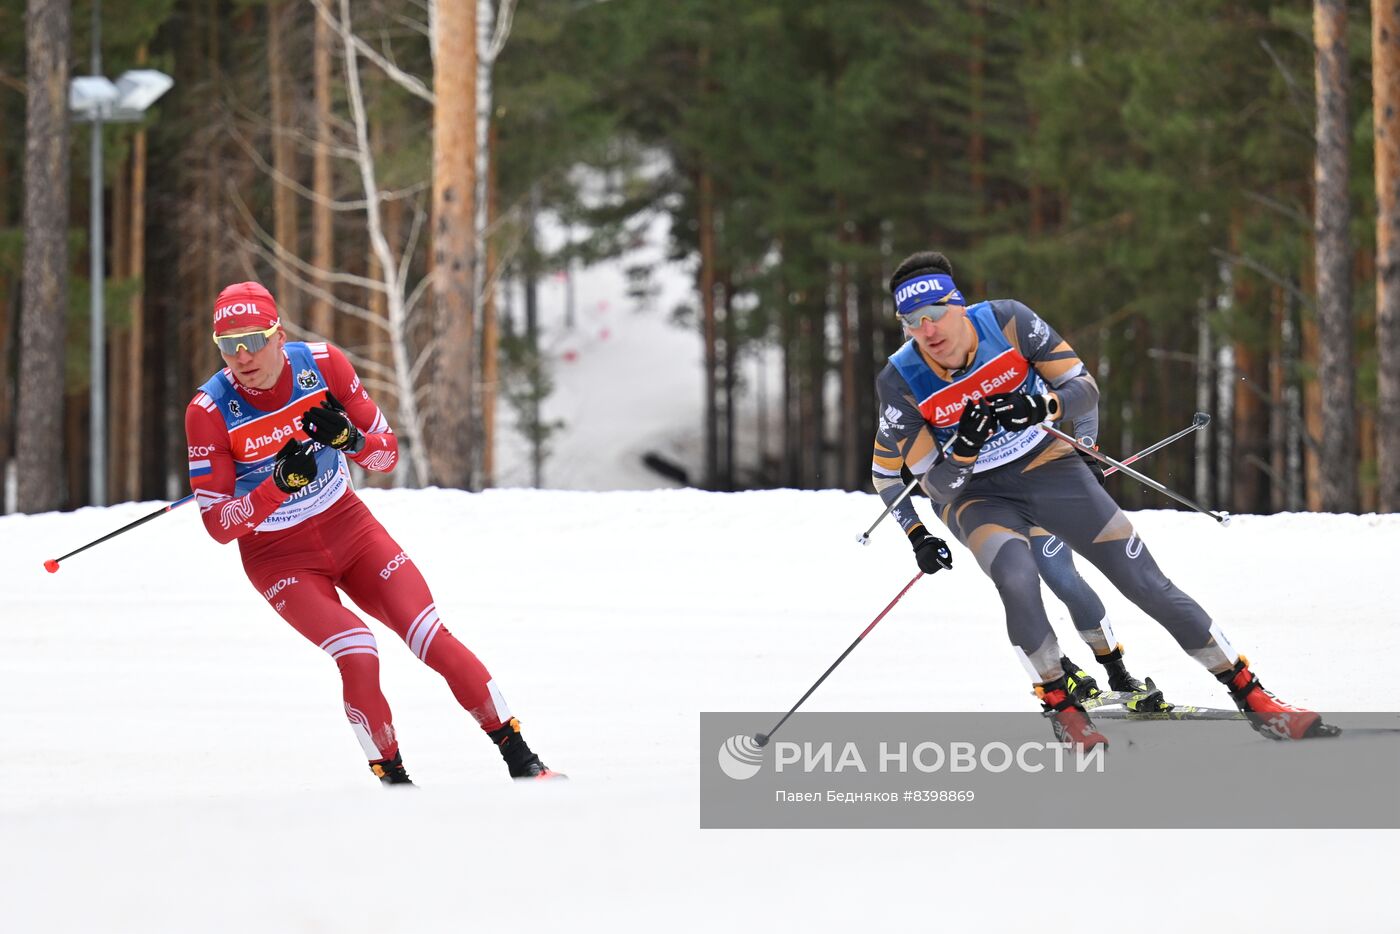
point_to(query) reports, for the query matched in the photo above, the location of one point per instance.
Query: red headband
(244, 305)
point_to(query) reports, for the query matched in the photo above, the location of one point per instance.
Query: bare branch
(310, 288)
(424, 358)
(1264, 397)
(413, 298)
(351, 155)
(413, 25)
(502, 263)
(1290, 211)
(400, 77)
(419, 216)
(1301, 99)
(1267, 273)
(1254, 460)
(379, 387)
(307, 145)
(287, 182)
(290, 258)
(364, 364)
(415, 451)
(13, 83)
(505, 17)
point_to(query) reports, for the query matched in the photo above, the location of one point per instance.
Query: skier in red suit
(268, 439)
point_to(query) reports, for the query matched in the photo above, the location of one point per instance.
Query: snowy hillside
(627, 379)
(178, 761)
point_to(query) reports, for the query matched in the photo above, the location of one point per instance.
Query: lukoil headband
(932, 289)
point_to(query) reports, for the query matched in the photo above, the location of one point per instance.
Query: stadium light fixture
(97, 100)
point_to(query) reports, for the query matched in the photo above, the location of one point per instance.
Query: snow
(627, 379)
(177, 759)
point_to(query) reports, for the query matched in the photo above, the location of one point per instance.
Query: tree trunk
(731, 363)
(377, 346)
(814, 396)
(485, 167)
(280, 22)
(530, 279)
(1385, 79)
(1295, 442)
(850, 444)
(706, 275)
(40, 459)
(182, 332)
(136, 267)
(1250, 422)
(320, 318)
(1331, 216)
(490, 325)
(211, 198)
(454, 241)
(792, 453)
(1278, 406)
(1205, 393)
(867, 299)
(8, 318)
(118, 338)
(976, 135)
(74, 491)
(1035, 194)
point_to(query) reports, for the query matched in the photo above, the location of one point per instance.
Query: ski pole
(51, 565)
(1201, 420)
(864, 538)
(1222, 517)
(762, 738)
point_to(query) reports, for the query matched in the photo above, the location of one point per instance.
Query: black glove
(930, 551)
(329, 425)
(294, 468)
(974, 428)
(1016, 410)
(1092, 463)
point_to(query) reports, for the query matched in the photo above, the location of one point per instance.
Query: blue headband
(931, 289)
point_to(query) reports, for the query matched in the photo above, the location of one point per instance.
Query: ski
(1108, 706)
(1113, 712)
(1119, 705)
(1131, 701)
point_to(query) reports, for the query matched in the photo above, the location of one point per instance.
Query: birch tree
(280, 97)
(322, 247)
(391, 286)
(493, 29)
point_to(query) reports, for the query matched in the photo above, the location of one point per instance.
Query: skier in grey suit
(980, 380)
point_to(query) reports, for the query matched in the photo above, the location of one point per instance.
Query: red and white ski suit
(298, 549)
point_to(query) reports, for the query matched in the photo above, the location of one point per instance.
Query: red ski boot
(1067, 716)
(1266, 713)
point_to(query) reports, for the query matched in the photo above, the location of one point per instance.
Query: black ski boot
(1078, 683)
(522, 763)
(391, 771)
(1143, 696)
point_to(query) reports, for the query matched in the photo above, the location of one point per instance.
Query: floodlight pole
(97, 434)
